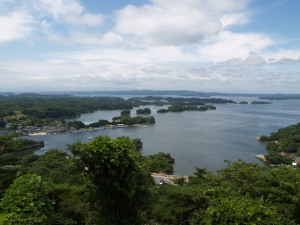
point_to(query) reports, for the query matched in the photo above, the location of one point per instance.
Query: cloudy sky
(242, 46)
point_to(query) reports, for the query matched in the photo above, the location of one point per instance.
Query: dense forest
(108, 181)
(57, 106)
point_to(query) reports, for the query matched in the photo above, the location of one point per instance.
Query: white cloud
(109, 39)
(278, 54)
(233, 45)
(23, 19)
(58, 8)
(238, 18)
(14, 26)
(226, 6)
(70, 11)
(89, 19)
(177, 22)
(288, 61)
(146, 68)
(168, 22)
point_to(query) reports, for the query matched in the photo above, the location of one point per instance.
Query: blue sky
(242, 46)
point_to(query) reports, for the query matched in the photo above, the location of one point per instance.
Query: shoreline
(83, 130)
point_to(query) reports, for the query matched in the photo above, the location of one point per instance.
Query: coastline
(82, 130)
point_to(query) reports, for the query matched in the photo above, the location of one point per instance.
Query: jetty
(158, 177)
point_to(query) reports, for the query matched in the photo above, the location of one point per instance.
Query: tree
(26, 202)
(120, 186)
(162, 111)
(276, 158)
(125, 112)
(77, 124)
(160, 162)
(176, 108)
(233, 210)
(7, 143)
(66, 186)
(175, 204)
(144, 111)
(2, 123)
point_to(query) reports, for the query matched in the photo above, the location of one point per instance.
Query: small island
(182, 108)
(145, 111)
(283, 146)
(260, 103)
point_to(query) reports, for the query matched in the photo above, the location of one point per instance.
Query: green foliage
(276, 158)
(176, 204)
(162, 111)
(236, 210)
(176, 108)
(41, 110)
(160, 162)
(7, 143)
(181, 108)
(100, 123)
(284, 140)
(108, 182)
(2, 217)
(71, 203)
(145, 111)
(26, 202)
(127, 120)
(138, 144)
(266, 138)
(67, 187)
(125, 112)
(242, 193)
(2, 123)
(120, 185)
(7, 176)
(53, 165)
(77, 124)
(10, 143)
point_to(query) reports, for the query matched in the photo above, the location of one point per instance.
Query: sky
(232, 46)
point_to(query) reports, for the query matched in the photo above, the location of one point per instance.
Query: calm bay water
(196, 139)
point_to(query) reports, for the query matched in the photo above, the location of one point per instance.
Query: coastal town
(57, 129)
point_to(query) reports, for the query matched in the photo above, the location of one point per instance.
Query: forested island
(38, 114)
(260, 103)
(283, 145)
(182, 108)
(145, 111)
